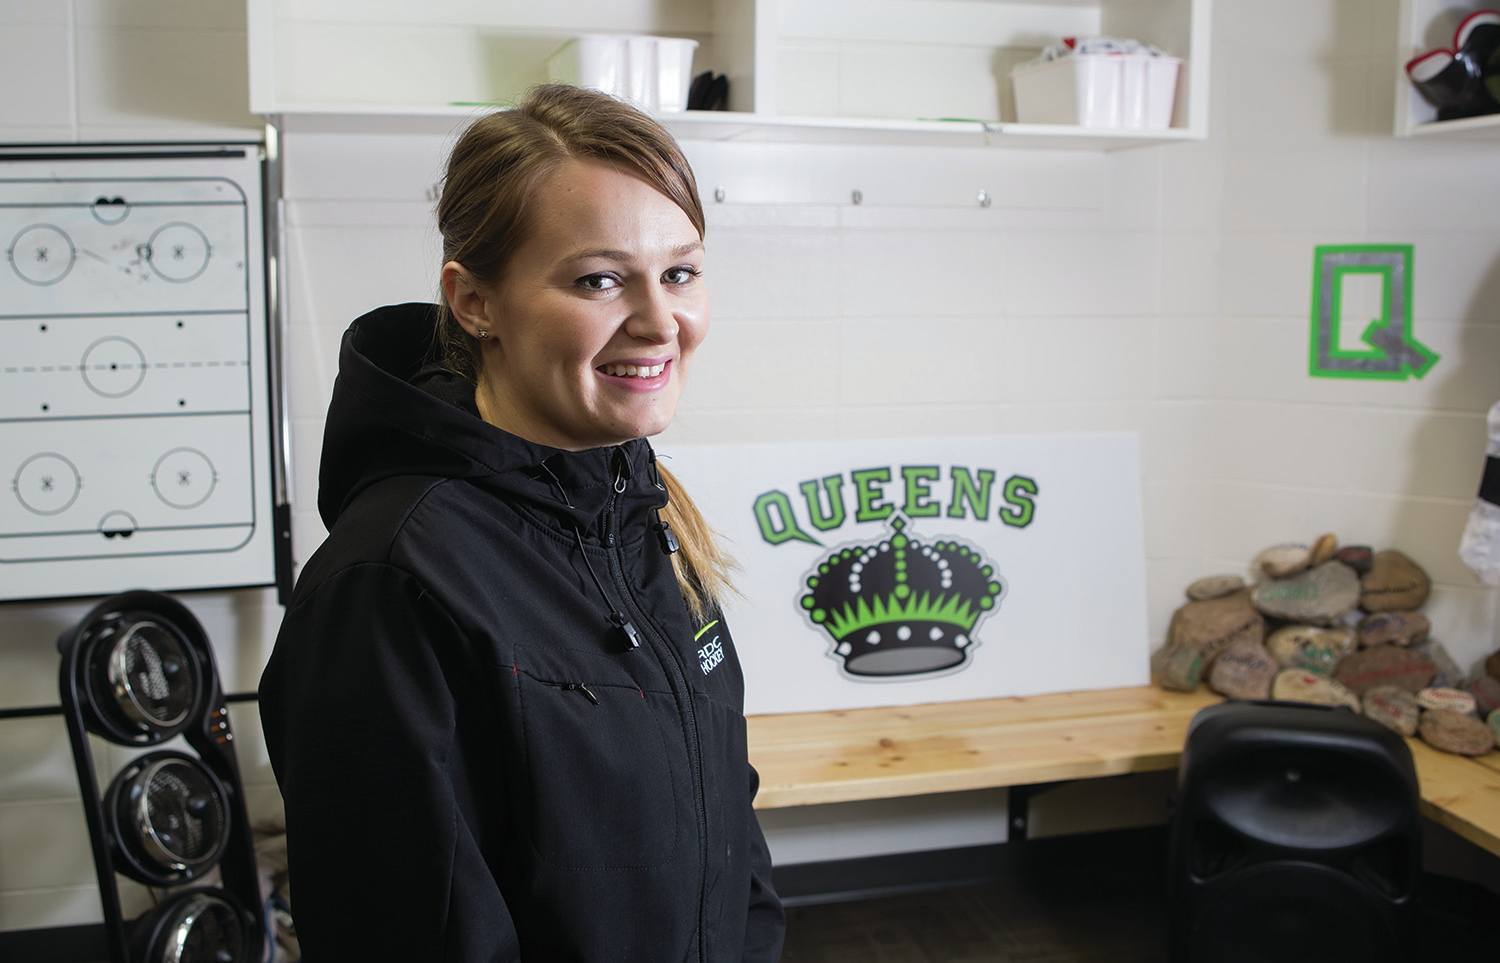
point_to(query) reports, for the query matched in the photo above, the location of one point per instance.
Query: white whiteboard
(1052, 522)
(134, 414)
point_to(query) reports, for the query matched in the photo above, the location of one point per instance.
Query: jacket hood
(394, 411)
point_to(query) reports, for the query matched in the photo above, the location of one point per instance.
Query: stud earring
(484, 333)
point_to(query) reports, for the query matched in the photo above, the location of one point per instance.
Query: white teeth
(634, 371)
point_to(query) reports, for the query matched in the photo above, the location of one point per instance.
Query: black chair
(1295, 837)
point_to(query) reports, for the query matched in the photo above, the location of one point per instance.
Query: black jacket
(475, 767)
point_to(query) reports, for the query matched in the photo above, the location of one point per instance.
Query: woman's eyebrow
(611, 254)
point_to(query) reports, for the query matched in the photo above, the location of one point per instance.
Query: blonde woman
(504, 708)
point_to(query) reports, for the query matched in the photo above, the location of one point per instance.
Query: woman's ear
(467, 300)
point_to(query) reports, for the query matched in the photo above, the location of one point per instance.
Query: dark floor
(1067, 904)
(1077, 899)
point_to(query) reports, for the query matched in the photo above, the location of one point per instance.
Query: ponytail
(701, 567)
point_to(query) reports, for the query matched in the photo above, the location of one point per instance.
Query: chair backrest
(1296, 836)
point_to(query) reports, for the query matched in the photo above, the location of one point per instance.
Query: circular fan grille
(204, 929)
(170, 816)
(184, 811)
(173, 813)
(152, 676)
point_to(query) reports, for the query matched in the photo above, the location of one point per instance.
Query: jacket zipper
(579, 687)
(617, 570)
(582, 687)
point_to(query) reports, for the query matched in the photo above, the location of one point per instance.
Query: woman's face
(597, 316)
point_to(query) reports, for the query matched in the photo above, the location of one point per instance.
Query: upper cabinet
(862, 71)
(1428, 25)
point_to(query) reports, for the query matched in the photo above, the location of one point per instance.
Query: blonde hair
(483, 217)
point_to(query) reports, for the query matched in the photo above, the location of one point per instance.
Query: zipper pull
(622, 470)
(581, 687)
(665, 536)
(631, 634)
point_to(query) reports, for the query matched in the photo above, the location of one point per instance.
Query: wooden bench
(845, 755)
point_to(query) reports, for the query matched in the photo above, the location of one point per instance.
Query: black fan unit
(1295, 837)
(138, 671)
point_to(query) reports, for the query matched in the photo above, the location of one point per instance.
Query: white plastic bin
(1098, 90)
(651, 72)
(674, 72)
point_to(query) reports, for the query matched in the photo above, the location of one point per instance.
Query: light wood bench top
(845, 755)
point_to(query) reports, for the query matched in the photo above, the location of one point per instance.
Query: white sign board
(901, 572)
(134, 432)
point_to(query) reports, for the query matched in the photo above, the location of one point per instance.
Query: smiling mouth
(633, 377)
(644, 372)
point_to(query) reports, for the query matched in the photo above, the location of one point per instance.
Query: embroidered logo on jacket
(710, 655)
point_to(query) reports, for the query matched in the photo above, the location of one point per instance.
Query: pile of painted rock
(1332, 626)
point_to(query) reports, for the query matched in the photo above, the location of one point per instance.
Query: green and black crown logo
(902, 607)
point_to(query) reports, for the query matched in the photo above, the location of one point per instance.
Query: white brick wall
(1163, 290)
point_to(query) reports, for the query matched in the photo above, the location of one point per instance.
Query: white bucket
(674, 72)
(653, 73)
(1098, 90)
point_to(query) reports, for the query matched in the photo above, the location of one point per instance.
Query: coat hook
(857, 196)
(718, 195)
(984, 198)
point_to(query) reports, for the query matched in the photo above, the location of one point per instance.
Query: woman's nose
(653, 320)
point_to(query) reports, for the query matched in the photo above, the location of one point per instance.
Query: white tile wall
(774, 273)
(1164, 291)
(851, 830)
(160, 76)
(746, 363)
(36, 59)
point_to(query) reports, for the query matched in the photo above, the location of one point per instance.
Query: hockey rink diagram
(128, 370)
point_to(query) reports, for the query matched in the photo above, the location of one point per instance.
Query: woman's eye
(684, 274)
(598, 282)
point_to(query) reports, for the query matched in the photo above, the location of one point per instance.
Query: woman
(486, 708)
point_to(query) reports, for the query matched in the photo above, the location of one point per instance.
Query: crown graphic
(902, 607)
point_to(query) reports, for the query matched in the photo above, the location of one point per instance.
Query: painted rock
(1283, 561)
(1324, 548)
(1386, 665)
(1393, 583)
(1177, 667)
(1212, 626)
(1494, 721)
(1214, 587)
(1486, 692)
(1399, 628)
(1393, 708)
(1455, 732)
(1453, 700)
(1295, 685)
(1448, 672)
(1309, 647)
(1243, 671)
(1319, 595)
(1357, 557)
(1492, 666)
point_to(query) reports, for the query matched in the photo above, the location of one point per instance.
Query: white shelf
(801, 71)
(1060, 137)
(748, 127)
(1469, 128)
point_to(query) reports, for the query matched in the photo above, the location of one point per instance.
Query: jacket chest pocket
(606, 762)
